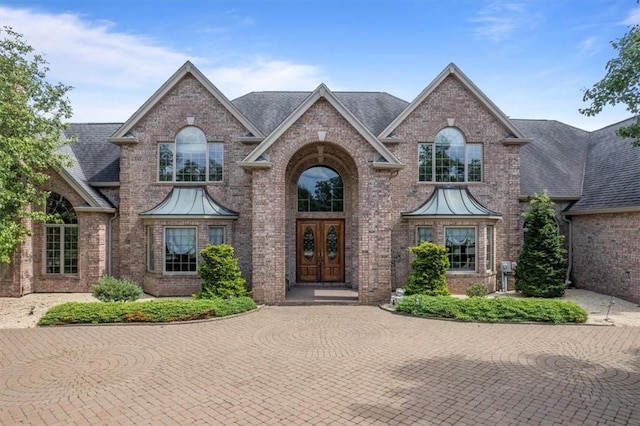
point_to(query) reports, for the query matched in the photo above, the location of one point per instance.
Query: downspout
(109, 243)
(567, 279)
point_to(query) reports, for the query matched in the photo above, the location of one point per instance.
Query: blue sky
(532, 58)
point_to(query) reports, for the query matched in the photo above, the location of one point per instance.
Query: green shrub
(477, 290)
(221, 276)
(542, 263)
(169, 310)
(501, 309)
(428, 270)
(111, 289)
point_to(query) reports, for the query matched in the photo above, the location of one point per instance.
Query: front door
(320, 250)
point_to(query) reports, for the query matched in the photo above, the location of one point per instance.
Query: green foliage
(221, 276)
(111, 289)
(502, 309)
(31, 122)
(542, 262)
(477, 290)
(621, 84)
(170, 310)
(428, 270)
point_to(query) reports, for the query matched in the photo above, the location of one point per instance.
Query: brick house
(328, 187)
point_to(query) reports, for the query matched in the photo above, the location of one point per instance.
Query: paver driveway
(321, 365)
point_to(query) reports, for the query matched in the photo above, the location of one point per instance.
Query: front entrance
(320, 250)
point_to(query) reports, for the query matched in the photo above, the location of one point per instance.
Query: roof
(386, 158)
(554, 160)
(189, 202)
(373, 109)
(451, 202)
(99, 159)
(612, 174)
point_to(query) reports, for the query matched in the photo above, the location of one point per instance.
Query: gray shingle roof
(554, 160)
(99, 159)
(612, 176)
(268, 109)
(77, 174)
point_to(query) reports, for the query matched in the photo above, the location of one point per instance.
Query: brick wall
(606, 254)
(499, 190)
(140, 190)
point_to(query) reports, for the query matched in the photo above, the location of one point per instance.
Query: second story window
(449, 158)
(190, 158)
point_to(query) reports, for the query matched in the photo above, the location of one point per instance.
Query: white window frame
(490, 247)
(164, 250)
(208, 145)
(45, 257)
(466, 159)
(150, 249)
(418, 228)
(464, 271)
(224, 233)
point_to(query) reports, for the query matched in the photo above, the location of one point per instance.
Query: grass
(502, 309)
(153, 311)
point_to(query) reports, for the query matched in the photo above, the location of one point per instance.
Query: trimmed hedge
(170, 310)
(501, 309)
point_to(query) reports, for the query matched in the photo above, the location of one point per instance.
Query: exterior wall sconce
(321, 135)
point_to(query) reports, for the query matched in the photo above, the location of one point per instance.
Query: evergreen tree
(221, 276)
(542, 262)
(428, 270)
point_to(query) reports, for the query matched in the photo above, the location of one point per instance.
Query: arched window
(450, 158)
(190, 158)
(61, 237)
(320, 190)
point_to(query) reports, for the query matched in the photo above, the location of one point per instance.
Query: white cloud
(589, 46)
(633, 18)
(499, 19)
(263, 74)
(113, 73)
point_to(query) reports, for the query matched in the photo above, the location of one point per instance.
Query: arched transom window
(191, 158)
(450, 158)
(61, 237)
(320, 190)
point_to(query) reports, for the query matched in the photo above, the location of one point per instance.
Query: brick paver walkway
(321, 365)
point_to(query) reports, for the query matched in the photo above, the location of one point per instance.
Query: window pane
(180, 249)
(425, 162)
(191, 155)
(70, 250)
(424, 234)
(461, 245)
(62, 208)
(489, 265)
(320, 190)
(216, 235)
(474, 163)
(165, 162)
(150, 254)
(53, 245)
(215, 162)
(450, 164)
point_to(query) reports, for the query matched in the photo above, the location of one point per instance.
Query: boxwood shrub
(501, 309)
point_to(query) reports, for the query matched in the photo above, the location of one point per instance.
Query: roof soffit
(323, 92)
(453, 70)
(187, 68)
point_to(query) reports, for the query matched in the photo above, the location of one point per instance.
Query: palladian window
(450, 158)
(190, 158)
(320, 190)
(61, 237)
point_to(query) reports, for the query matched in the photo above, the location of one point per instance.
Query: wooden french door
(320, 250)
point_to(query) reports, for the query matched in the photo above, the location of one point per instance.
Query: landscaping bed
(499, 310)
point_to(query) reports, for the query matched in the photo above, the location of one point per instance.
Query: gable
(123, 134)
(256, 159)
(452, 72)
